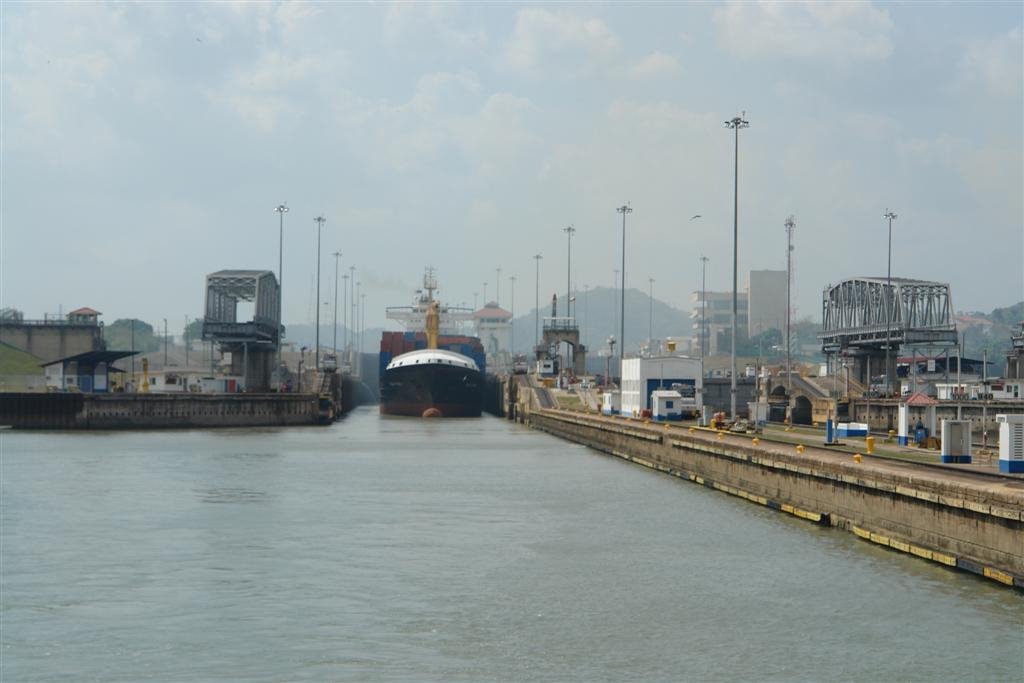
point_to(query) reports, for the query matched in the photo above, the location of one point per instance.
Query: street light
(512, 310)
(624, 209)
(536, 302)
(336, 255)
(568, 230)
(790, 225)
(497, 287)
(316, 352)
(349, 332)
(890, 216)
(735, 124)
(650, 319)
(281, 210)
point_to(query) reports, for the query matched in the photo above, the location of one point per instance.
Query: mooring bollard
(869, 444)
(856, 457)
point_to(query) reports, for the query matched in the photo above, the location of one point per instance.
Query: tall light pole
(735, 124)
(497, 287)
(650, 319)
(624, 209)
(362, 324)
(890, 216)
(615, 285)
(344, 312)
(336, 255)
(568, 230)
(536, 303)
(352, 305)
(703, 309)
(316, 352)
(485, 294)
(790, 226)
(512, 310)
(281, 210)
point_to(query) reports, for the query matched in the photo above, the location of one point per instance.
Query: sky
(143, 146)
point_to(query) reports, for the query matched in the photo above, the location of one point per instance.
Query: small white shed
(666, 405)
(611, 402)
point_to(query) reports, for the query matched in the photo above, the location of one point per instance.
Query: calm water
(411, 550)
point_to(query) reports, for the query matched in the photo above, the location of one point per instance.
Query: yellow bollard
(799, 448)
(692, 430)
(856, 457)
(721, 434)
(755, 441)
(869, 443)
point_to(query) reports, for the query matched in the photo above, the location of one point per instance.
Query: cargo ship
(425, 373)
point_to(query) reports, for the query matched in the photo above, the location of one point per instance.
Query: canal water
(429, 550)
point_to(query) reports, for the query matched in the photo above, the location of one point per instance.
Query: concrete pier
(966, 520)
(156, 411)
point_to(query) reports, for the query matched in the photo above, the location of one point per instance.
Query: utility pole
(512, 310)
(650, 317)
(357, 343)
(790, 226)
(316, 352)
(281, 210)
(334, 344)
(344, 313)
(536, 303)
(703, 309)
(624, 209)
(735, 124)
(134, 388)
(568, 230)
(352, 306)
(890, 216)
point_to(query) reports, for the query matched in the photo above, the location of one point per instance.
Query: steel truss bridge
(252, 343)
(862, 317)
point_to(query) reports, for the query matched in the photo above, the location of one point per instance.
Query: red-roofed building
(84, 316)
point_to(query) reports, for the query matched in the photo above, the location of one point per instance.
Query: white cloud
(806, 29)
(497, 136)
(653, 66)
(409, 23)
(558, 42)
(995, 64)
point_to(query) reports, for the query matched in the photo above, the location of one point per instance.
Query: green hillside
(14, 361)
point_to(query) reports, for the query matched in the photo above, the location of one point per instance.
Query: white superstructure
(432, 356)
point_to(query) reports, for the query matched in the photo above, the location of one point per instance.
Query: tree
(194, 330)
(118, 335)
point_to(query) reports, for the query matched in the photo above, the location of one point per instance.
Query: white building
(642, 376)
(494, 328)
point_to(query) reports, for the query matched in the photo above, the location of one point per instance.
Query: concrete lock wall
(134, 411)
(50, 342)
(955, 521)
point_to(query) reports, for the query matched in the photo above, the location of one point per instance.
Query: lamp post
(497, 287)
(650, 317)
(281, 210)
(536, 302)
(624, 209)
(362, 328)
(316, 351)
(890, 216)
(512, 310)
(344, 312)
(485, 294)
(334, 344)
(735, 124)
(790, 225)
(568, 230)
(351, 305)
(703, 308)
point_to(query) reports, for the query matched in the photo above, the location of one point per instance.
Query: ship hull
(441, 390)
